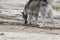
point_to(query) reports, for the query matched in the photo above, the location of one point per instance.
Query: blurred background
(15, 7)
(11, 9)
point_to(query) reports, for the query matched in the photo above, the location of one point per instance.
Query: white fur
(46, 11)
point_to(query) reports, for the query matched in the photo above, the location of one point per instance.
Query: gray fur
(32, 10)
(36, 6)
(45, 11)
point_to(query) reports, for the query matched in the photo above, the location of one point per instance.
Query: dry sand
(16, 25)
(12, 29)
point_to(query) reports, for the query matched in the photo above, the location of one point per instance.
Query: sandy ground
(9, 27)
(28, 36)
(14, 25)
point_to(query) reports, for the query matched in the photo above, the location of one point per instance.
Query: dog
(46, 10)
(30, 11)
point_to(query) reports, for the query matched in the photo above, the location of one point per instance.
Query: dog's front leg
(35, 24)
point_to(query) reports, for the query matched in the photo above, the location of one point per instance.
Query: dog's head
(23, 15)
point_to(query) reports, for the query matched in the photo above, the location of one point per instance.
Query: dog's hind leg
(51, 17)
(52, 22)
(43, 21)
